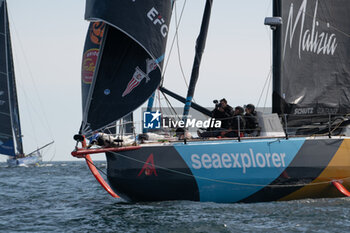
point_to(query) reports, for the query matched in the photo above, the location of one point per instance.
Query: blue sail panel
(7, 147)
(9, 119)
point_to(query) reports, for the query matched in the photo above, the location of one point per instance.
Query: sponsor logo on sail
(96, 32)
(89, 64)
(243, 161)
(303, 111)
(107, 91)
(310, 40)
(158, 20)
(151, 120)
(148, 168)
(139, 75)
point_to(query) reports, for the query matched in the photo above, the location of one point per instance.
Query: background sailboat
(10, 127)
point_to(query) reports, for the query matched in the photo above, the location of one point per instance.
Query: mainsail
(314, 54)
(129, 63)
(10, 129)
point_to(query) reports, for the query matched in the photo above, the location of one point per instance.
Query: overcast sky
(48, 39)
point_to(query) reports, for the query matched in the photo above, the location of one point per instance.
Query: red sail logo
(149, 167)
(139, 75)
(135, 81)
(97, 32)
(89, 63)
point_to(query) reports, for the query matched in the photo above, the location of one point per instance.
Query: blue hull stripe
(229, 171)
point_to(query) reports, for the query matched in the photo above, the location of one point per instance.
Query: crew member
(251, 121)
(103, 140)
(237, 124)
(222, 112)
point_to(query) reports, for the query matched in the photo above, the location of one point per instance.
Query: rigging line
(263, 90)
(268, 9)
(269, 75)
(227, 182)
(172, 110)
(89, 132)
(160, 105)
(28, 102)
(103, 172)
(173, 41)
(268, 89)
(54, 154)
(179, 56)
(109, 130)
(171, 106)
(270, 70)
(31, 76)
(165, 111)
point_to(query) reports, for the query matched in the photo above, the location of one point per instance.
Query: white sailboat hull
(26, 161)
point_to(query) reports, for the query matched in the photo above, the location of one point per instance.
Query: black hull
(177, 183)
(164, 172)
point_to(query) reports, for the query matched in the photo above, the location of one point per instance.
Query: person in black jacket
(103, 140)
(223, 112)
(237, 123)
(250, 117)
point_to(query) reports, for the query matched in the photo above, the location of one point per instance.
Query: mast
(12, 91)
(200, 44)
(276, 61)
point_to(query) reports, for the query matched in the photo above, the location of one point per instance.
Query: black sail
(10, 129)
(90, 55)
(129, 65)
(315, 57)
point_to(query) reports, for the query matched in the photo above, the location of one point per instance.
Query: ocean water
(65, 197)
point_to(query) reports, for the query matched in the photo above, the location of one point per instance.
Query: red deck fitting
(81, 153)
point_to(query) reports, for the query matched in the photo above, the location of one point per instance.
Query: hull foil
(228, 171)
